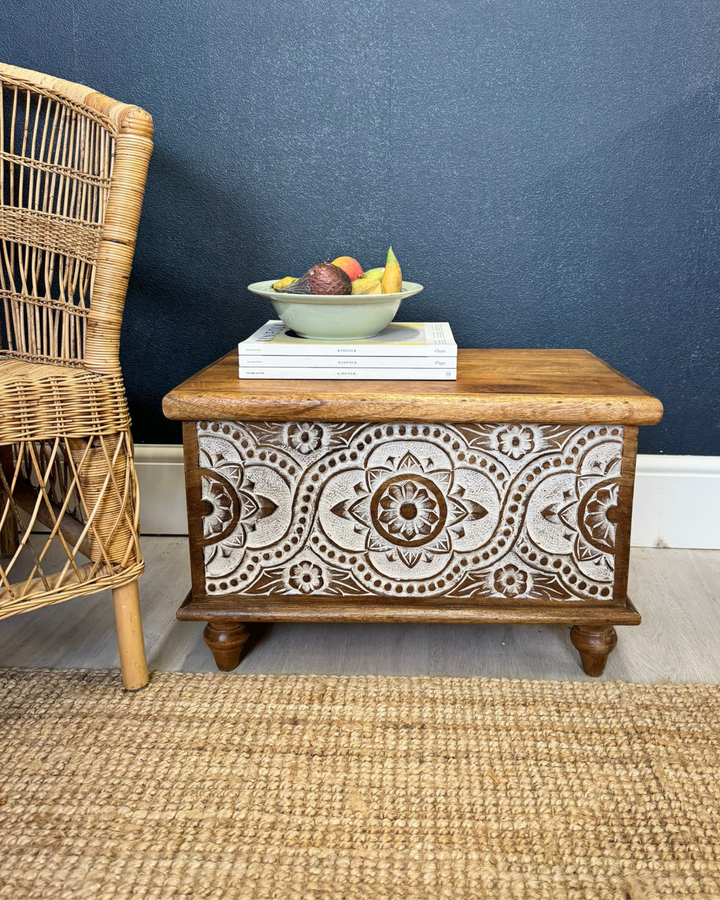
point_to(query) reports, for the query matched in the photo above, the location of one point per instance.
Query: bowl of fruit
(337, 301)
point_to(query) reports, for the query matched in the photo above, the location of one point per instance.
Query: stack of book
(407, 351)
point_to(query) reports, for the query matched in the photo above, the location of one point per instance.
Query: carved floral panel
(513, 512)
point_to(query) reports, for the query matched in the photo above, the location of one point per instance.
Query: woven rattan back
(73, 165)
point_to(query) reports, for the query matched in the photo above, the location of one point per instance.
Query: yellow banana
(283, 283)
(392, 278)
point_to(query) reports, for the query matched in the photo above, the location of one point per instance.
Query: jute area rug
(212, 786)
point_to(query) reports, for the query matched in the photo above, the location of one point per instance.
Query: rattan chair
(73, 165)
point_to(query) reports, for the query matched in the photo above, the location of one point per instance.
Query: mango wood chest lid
(549, 386)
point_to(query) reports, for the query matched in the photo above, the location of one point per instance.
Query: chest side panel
(486, 513)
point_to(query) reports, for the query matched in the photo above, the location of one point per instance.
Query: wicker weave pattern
(37, 400)
(41, 165)
(54, 234)
(83, 490)
(72, 175)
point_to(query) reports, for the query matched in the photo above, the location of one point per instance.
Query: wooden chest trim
(194, 507)
(543, 386)
(374, 609)
(625, 506)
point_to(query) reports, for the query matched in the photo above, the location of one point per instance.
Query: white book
(399, 339)
(300, 373)
(348, 362)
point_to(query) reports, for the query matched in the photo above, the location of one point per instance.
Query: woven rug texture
(216, 786)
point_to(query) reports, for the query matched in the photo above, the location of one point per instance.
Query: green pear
(366, 286)
(375, 274)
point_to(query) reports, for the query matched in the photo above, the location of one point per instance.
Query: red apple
(350, 266)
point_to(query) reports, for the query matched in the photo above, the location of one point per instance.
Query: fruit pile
(344, 275)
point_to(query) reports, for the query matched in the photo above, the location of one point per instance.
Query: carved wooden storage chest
(503, 497)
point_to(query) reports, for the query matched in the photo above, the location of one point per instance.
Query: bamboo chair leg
(130, 636)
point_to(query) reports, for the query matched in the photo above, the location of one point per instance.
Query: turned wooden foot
(594, 643)
(226, 639)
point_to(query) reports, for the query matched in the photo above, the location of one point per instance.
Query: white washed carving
(520, 512)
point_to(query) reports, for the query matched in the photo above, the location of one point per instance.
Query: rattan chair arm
(133, 149)
(121, 116)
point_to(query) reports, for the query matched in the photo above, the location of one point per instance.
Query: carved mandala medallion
(408, 511)
(459, 511)
(597, 516)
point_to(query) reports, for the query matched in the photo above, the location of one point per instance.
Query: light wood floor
(676, 591)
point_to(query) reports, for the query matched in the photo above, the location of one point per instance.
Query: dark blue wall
(549, 170)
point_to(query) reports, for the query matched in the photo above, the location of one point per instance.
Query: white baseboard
(677, 498)
(161, 476)
(677, 502)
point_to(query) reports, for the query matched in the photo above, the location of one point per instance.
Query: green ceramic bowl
(326, 317)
